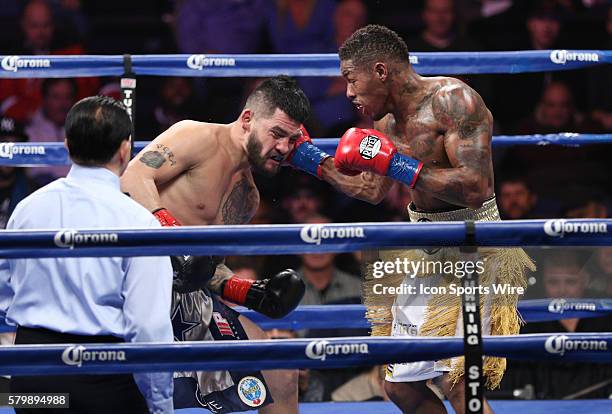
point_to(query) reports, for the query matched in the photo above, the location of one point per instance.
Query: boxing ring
(299, 239)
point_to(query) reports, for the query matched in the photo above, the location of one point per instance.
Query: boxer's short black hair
(374, 43)
(95, 128)
(280, 92)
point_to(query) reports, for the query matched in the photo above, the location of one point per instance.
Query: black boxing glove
(192, 273)
(274, 297)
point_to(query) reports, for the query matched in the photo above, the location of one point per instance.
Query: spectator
(516, 200)
(20, 98)
(439, 32)
(544, 29)
(307, 26)
(175, 102)
(48, 122)
(14, 187)
(303, 199)
(220, 26)
(324, 282)
(556, 112)
(587, 204)
(368, 386)
(14, 183)
(601, 272)
(247, 267)
(600, 82)
(564, 276)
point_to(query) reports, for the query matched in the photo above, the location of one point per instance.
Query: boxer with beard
(199, 173)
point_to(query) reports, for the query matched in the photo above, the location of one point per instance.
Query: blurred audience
(325, 283)
(367, 386)
(14, 183)
(47, 124)
(564, 276)
(556, 112)
(220, 27)
(600, 268)
(440, 32)
(175, 102)
(515, 199)
(600, 82)
(308, 26)
(21, 97)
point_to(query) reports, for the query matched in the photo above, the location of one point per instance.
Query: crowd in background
(531, 182)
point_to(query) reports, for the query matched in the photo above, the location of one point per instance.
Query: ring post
(128, 93)
(472, 331)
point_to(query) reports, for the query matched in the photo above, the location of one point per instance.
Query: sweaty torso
(422, 136)
(214, 191)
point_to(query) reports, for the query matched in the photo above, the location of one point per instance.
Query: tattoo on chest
(240, 202)
(156, 159)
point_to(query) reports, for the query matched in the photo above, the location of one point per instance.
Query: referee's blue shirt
(125, 297)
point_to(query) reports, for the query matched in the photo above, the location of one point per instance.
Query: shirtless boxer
(200, 174)
(436, 139)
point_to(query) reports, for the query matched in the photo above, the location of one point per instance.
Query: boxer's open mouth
(277, 158)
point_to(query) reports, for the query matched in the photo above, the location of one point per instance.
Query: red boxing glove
(364, 150)
(165, 218)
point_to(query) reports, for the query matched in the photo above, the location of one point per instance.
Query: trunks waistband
(487, 212)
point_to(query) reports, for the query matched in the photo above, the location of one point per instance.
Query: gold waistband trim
(487, 212)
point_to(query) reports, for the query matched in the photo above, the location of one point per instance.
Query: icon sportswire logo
(558, 227)
(321, 349)
(560, 344)
(314, 233)
(561, 56)
(561, 305)
(14, 63)
(71, 238)
(200, 62)
(75, 355)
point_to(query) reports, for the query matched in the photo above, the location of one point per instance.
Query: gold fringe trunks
(443, 312)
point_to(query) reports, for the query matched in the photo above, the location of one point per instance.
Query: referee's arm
(147, 293)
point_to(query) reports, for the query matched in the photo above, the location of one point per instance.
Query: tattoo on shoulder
(239, 203)
(153, 159)
(461, 109)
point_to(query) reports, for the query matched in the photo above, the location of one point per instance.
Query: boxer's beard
(257, 161)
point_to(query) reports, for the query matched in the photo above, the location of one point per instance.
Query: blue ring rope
(427, 63)
(283, 354)
(28, 154)
(353, 316)
(279, 239)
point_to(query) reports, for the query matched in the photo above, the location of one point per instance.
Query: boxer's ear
(245, 119)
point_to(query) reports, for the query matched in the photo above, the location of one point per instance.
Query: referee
(82, 300)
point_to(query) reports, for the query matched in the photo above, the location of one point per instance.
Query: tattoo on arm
(240, 202)
(167, 153)
(155, 159)
(468, 126)
(222, 274)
